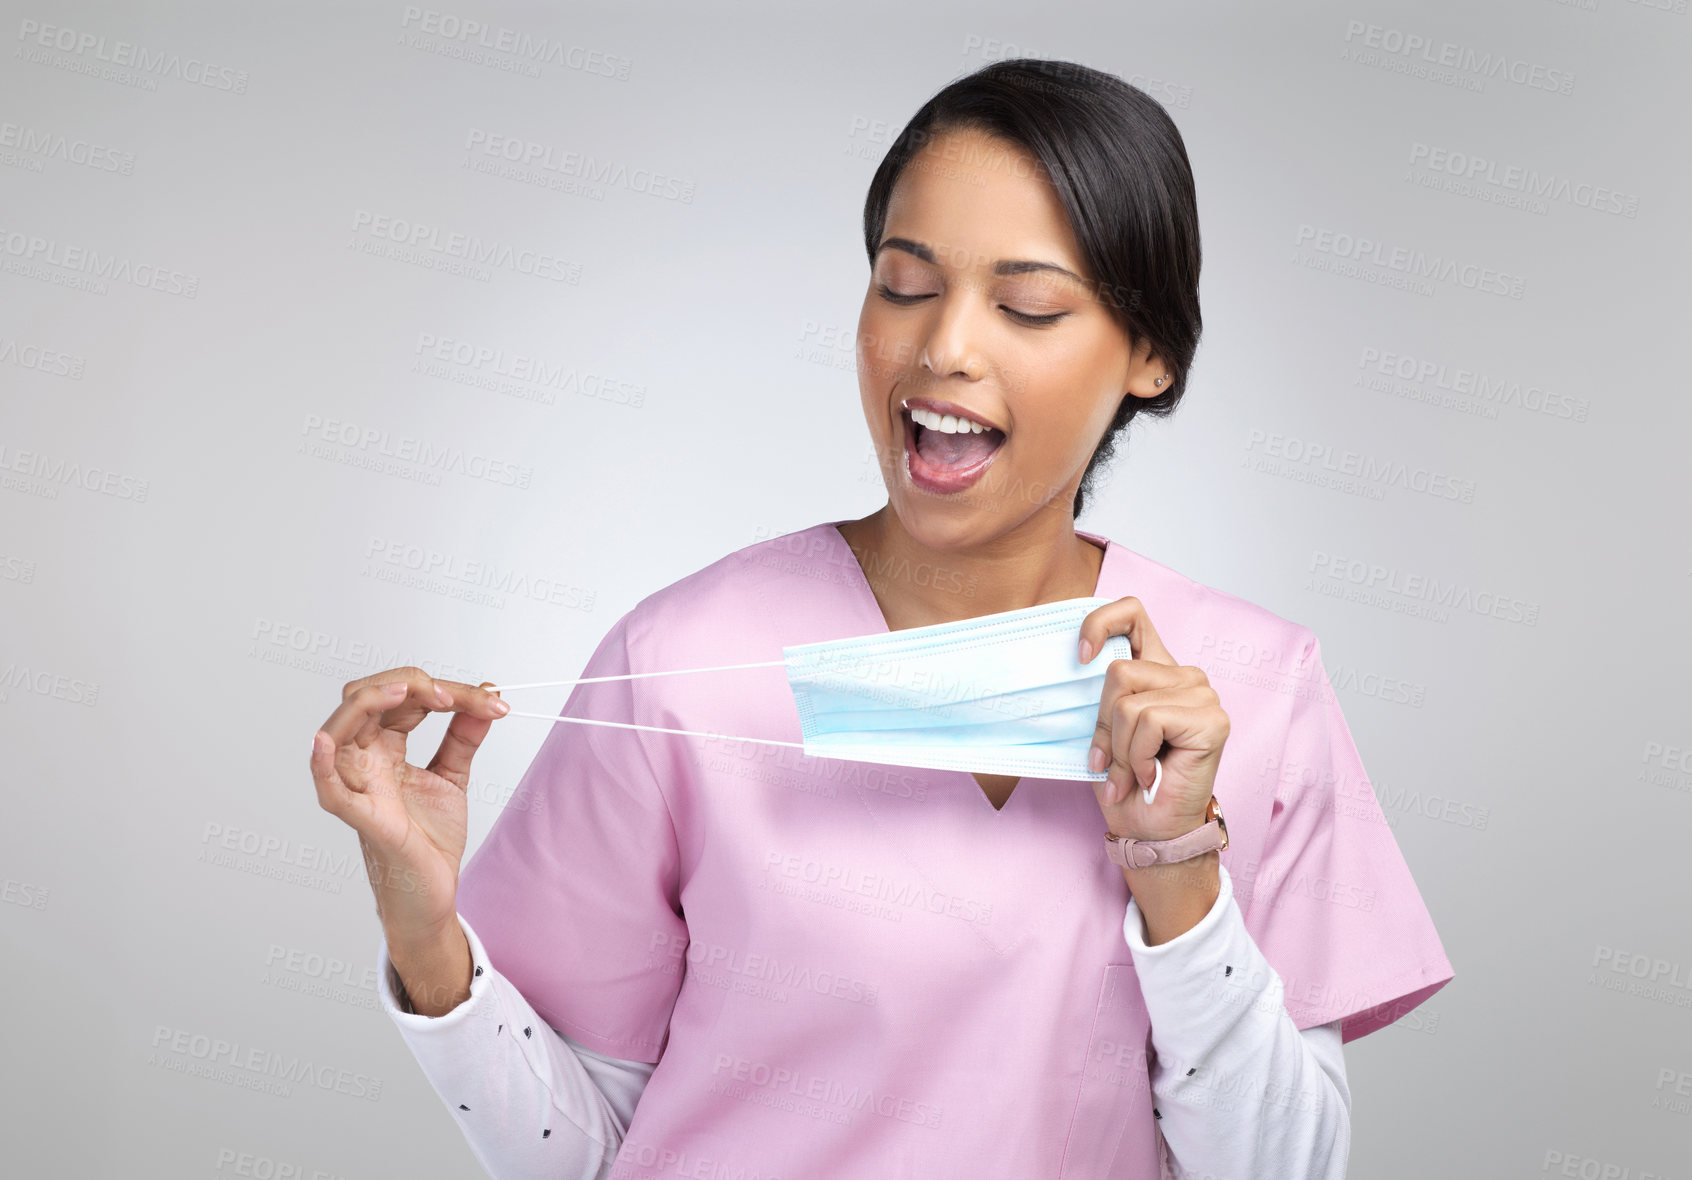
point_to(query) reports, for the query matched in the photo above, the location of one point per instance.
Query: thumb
(463, 738)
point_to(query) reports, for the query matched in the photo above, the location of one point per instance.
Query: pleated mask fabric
(1000, 694)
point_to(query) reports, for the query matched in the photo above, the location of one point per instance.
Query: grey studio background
(266, 428)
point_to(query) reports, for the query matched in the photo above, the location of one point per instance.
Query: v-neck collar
(865, 601)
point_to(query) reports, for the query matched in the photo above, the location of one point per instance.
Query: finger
(399, 703)
(333, 794)
(1125, 616)
(478, 700)
(463, 738)
(1135, 678)
(408, 673)
(1139, 754)
(1173, 725)
(1134, 740)
(427, 695)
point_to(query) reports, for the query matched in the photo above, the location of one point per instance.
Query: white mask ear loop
(631, 676)
(1148, 794)
(502, 688)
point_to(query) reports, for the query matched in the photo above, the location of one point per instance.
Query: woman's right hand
(411, 821)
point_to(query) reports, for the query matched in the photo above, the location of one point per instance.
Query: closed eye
(902, 300)
(892, 296)
(1037, 320)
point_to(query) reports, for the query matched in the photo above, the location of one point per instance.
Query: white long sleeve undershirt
(1239, 1091)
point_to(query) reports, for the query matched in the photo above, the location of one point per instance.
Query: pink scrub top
(834, 963)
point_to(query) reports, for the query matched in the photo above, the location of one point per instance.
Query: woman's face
(979, 308)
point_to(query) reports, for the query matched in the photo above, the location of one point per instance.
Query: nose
(950, 348)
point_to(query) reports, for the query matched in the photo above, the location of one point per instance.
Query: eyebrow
(1020, 266)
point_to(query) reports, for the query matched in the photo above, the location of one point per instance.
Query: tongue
(953, 451)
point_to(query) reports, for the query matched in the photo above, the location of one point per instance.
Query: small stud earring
(1159, 382)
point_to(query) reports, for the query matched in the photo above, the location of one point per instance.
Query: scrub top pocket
(1115, 1089)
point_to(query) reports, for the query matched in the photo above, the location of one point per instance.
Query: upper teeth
(946, 423)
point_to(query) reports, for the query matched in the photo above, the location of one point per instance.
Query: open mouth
(946, 450)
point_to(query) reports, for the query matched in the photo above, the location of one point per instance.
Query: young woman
(683, 956)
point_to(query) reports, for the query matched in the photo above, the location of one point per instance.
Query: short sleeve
(1332, 903)
(575, 891)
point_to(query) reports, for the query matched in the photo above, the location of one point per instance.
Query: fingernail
(1086, 653)
(501, 707)
(395, 688)
(317, 742)
(1096, 759)
(441, 694)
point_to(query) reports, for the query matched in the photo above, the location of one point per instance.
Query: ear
(1148, 375)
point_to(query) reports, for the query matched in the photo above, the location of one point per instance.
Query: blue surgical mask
(1000, 694)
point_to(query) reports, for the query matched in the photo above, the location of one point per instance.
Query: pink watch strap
(1139, 854)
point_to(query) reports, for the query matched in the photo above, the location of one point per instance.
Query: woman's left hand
(1148, 702)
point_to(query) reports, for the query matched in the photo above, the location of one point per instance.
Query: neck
(1041, 560)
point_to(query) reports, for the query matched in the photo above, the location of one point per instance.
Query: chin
(945, 524)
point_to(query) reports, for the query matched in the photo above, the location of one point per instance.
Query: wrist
(421, 937)
(432, 972)
(1168, 827)
(1173, 898)
(1163, 831)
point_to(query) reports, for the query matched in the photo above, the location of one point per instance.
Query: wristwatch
(1138, 854)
